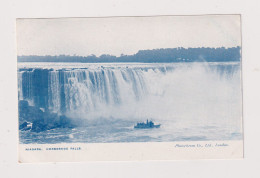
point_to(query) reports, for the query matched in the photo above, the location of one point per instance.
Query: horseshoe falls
(191, 101)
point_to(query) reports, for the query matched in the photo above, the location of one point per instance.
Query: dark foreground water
(125, 132)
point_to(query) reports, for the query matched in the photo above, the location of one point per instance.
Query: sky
(124, 35)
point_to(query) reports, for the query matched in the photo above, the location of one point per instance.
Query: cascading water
(78, 90)
(180, 96)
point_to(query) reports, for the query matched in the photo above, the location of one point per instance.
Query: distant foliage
(149, 56)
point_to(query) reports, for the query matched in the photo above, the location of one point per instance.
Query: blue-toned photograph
(129, 79)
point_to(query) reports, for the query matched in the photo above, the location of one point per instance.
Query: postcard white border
(78, 152)
(221, 168)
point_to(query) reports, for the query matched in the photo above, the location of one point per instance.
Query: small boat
(147, 125)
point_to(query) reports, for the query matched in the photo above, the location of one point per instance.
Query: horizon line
(127, 54)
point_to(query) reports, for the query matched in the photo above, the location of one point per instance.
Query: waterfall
(66, 91)
(195, 93)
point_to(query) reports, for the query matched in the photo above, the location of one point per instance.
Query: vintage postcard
(129, 88)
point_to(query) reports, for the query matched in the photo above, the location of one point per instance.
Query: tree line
(164, 55)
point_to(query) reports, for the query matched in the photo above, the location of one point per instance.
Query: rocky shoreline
(34, 119)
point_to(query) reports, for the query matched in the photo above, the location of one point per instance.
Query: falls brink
(67, 91)
(197, 93)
